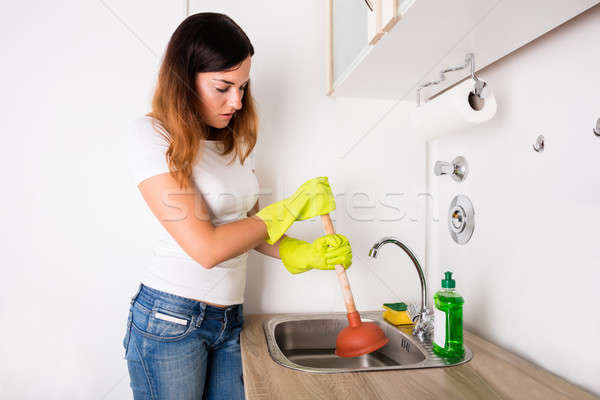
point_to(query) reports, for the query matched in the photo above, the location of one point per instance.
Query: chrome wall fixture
(458, 170)
(480, 89)
(461, 219)
(597, 128)
(539, 144)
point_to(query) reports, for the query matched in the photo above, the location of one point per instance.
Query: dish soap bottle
(448, 331)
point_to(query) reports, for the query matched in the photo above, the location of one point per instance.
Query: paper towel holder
(480, 89)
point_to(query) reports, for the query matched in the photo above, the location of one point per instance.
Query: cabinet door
(374, 30)
(347, 35)
(381, 19)
(389, 14)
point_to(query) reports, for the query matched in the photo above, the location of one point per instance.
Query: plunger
(359, 337)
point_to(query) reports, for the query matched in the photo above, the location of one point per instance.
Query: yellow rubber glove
(313, 198)
(324, 253)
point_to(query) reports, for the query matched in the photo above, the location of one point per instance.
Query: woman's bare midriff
(212, 304)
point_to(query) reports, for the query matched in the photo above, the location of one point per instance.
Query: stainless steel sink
(306, 342)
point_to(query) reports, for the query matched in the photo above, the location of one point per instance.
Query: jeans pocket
(161, 323)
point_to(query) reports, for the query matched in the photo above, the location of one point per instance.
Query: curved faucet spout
(422, 328)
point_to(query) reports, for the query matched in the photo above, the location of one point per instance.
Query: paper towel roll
(451, 112)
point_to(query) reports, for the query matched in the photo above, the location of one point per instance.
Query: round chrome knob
(457, 219)
(461, 219)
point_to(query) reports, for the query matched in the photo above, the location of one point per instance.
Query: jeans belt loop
(200, 317)
(232, 313)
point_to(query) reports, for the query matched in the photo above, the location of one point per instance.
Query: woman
(192, 160)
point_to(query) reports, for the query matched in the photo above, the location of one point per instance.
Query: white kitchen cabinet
(347, 35)
(382, 16)
(353, 28)
(427, 36)
(374, 21)
(389, 14)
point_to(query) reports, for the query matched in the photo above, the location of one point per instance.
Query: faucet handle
(424, 326)
(442, 168)
(458, 169)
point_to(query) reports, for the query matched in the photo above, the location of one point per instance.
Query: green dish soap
(448, 331)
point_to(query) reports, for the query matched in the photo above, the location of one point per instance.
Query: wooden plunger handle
(339, 269)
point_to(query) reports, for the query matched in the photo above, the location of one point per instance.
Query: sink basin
(306, 342)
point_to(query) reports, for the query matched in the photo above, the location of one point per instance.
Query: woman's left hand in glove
(324, 253)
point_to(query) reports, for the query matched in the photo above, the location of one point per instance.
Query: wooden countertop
(493, 373)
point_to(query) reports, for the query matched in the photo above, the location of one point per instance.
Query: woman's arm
(264, 247)
(185, 215)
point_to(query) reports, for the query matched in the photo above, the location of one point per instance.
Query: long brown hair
(203, 42)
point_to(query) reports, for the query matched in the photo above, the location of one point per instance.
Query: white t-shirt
(230, 191)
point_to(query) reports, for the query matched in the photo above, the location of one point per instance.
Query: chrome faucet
(424, 326)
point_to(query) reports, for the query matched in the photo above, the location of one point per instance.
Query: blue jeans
(178, 348)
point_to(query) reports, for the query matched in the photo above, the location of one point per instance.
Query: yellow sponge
(396, 314)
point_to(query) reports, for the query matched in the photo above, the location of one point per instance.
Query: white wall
(530, 273)
(73, 75)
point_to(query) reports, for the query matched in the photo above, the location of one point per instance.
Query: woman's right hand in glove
(324, 253)
(313, 198)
